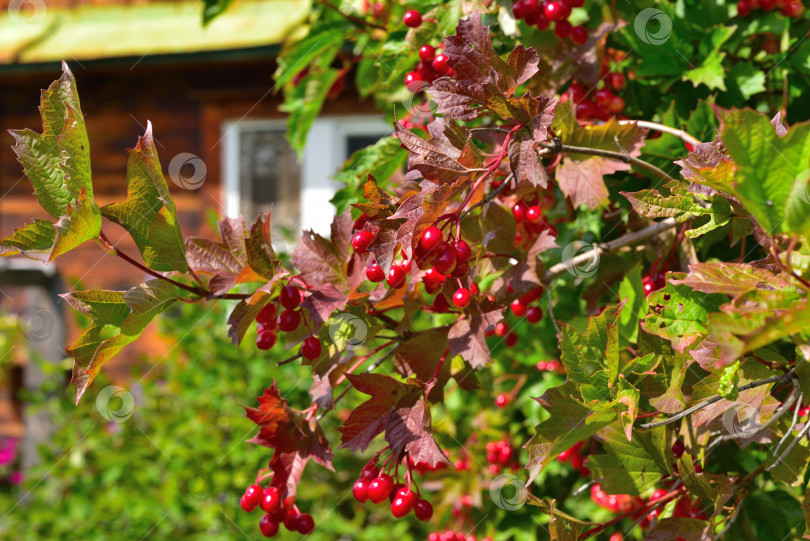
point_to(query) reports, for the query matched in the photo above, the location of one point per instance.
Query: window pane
(357, 142)
(268, 174)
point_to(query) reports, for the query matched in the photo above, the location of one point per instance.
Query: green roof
(143, 30)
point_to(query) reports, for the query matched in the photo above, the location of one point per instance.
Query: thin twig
(558, 147)
(625, 240)
(792, 425)
(680, 134)
(712, 400)
(490, 196)
(658, 503)
(790, 447)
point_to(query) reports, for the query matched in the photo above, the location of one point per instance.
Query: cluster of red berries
(267, 324)
(550, 366)
(377, 487)
(431, 66)
(276, 511)
(576, 457)
(528, 214)
(451, 535)
(789, 8)
(501, 455)
(541, 13)
(618, 503)
(605, 102)
(424, 467)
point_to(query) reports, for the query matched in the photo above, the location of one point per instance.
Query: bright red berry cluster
(501, 455)
(789, 8)
(268, 325)
(453, 535)
(550, 366)
(378, 486)
(576, 457)
(541, 13)
(276, 511)
(431, 66)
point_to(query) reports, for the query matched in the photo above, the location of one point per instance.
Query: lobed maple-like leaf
(294, 440)
(226, 261)
(323, 261)
(467, 336)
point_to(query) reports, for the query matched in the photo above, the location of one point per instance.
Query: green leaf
(711, 71)
(149, 213)
(81, 223)
(568, 422)
(729, 380)
(767, 167)
(214, 8)
(57, 162)
(322, 43)
(746, 79)
(591, 358)
(119, 318)
(679, 313)
(304, 103)
(629, 467)
(34, 240)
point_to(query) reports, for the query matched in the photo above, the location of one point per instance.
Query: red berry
(579, 35)
(423, 510)
(396, 276)
(446, 260)
(463, 252)
(542, 22)
(360, 222)
(360, 489)
(767, 5)
(425, 71)
(502, 400)
(518, 308)
(374, 273)
(412, 18)
(461, 297)
(433, 280)
(401, 506)
(380, 488)
(361, 241)
(554, 11)
(574, 3)
(501, 328)
(520, 9)
(617, 81)
(266, 340)
(519, 211)
(267, 316)
(603, 97)
(427, 53)
(461, 270)
(678, 448)
(440, 64)
(289, 320)
(290, 297)
(616, 104)
(304, 524)
(658, 494)
(534, 314)
(431, 238)
(510, 339)
(414, 81)
(586, 109)
(311, 349)
(246, 506)
(271, 500)
(534, 214)
(267, 526)
(253, 495)
(290, 520)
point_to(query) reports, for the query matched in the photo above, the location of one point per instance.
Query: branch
(612, 246)
(490, 196)
(357, 21)
(558, 147)
(116, 251)
(715, 398)
(790, 447)
(680, 134)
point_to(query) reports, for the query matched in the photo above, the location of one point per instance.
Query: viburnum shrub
(672, 269)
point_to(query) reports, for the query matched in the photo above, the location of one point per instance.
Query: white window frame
(325, 152)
